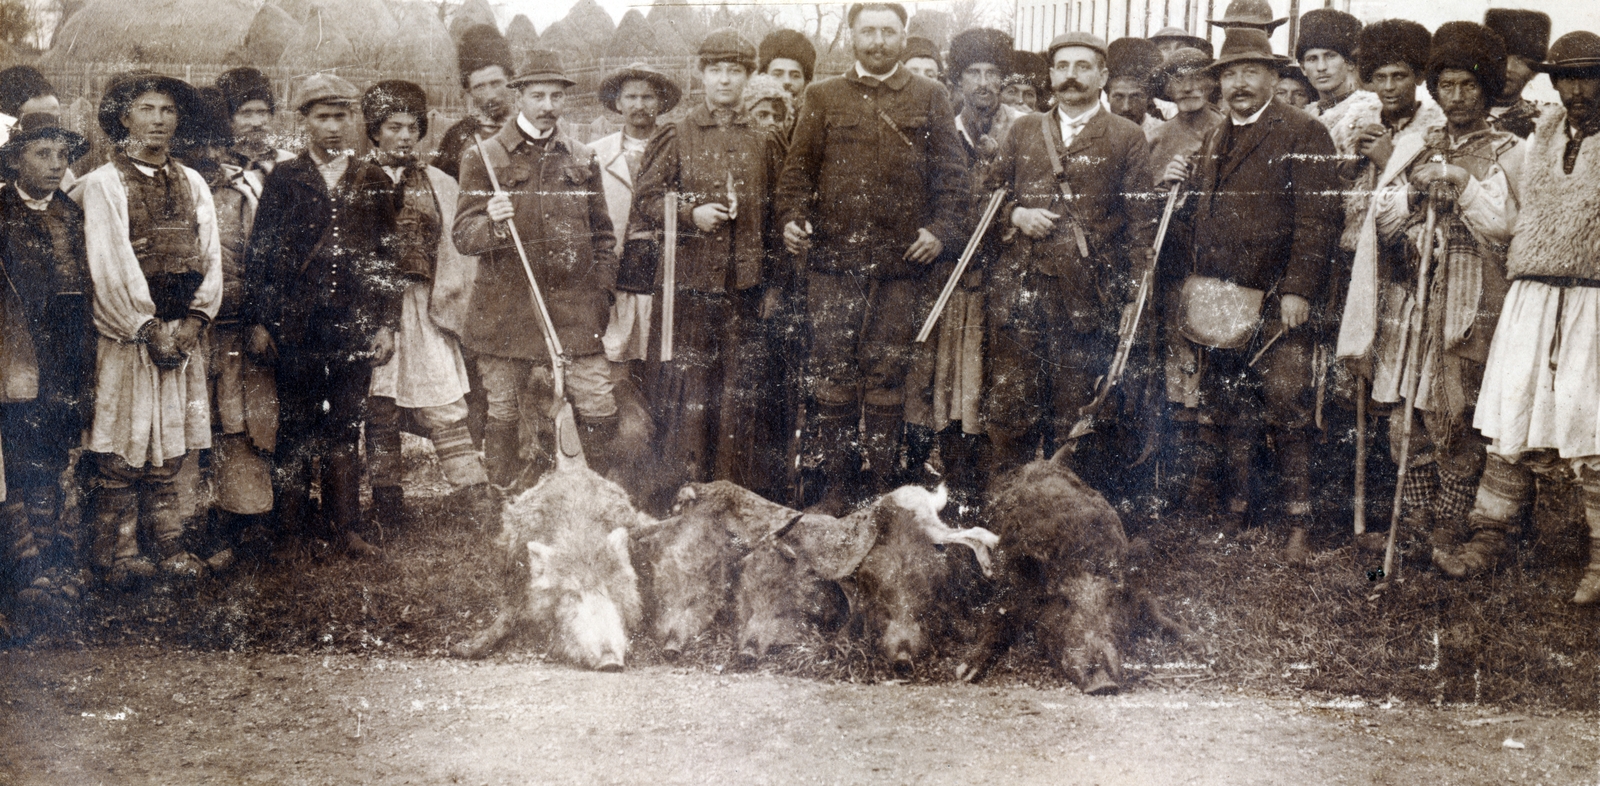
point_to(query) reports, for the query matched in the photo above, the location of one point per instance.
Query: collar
(861, 73)
(706, 117)
(1344, 91)
(35, 204)
(894, 80)
(1456, 143)
(1251, 119)
(1081, 120)
(533, 133)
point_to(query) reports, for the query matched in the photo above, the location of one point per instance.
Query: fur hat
(1392, 41)
(125, 87)
(917, 46)
(788, 45)
(1525, 33)
(1133, 57)
(240, 86)
(482, 46)
(1030, 68)
(211, 124)
(1325, 28)
(979, 45)
(725, 45)
(764, 88)
(1468, 46)
(34, 126)
(20, 83)
(393, 97)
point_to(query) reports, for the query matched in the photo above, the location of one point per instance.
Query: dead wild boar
(889, 560)
(1061, 572)
(566, 571)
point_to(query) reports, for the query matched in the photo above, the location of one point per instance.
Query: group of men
(736, 293)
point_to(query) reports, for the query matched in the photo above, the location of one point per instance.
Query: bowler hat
(1246, 44)
(1075, 38)
(1249, 13)
(542, 65)
(1574, 54)
(669, 91)
(125, 87)
(33, 127)
(324, 89)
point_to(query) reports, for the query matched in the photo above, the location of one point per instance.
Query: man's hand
(711, 216)
(1295, 310)
(186, 336)
(1035, 222)
(796, 238)
(1437, 171)
(162, 346)
(1375, 144)
(381, 350)
(925, 249)
(770, 301)
(258, 345)
(1177, 171)
(499, 207)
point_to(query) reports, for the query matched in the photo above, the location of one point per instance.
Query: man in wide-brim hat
(1264, 218)
(154, 255)
(1249, 13)
(1171, 39)
(1537, 405)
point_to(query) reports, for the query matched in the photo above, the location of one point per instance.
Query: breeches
(861, 335)
(588, 385)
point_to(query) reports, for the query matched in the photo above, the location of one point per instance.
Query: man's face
(1396, 86)
(1461, 97)
(541, 103)
(1076, 75)
(41, 165)
(923, 66)
(47, 103)
(151, 119)
(329, 127)
(1128, 98)
(789, 74)
(489, 92)
(724, 83)
(1293, 92)
(769, 114)
(1247, 86)
(398, 134)
(639, 103)
(1327, 70)
(878, 38)
(1518, 75)
(1020, 95)
(1191, 92)
(1581, 97)
(980, 86)
(250, 123)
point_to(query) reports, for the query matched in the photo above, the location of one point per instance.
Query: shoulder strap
(1050, 147)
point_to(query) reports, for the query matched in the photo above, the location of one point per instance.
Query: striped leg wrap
(1590, 479)
(1457, 493)
(460, 461)
(1420, 488)
(1502, 491)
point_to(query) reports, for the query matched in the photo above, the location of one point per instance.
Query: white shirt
(862, 72)
(1070, 126)
(529, 129)
(1251, 119)
(33, 204)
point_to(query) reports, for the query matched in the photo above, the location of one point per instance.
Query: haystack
(366, 24)
(151, 32)
(271, 33)
(320, 47)
(687, 25)
(522, 37)
(561, 37)
(470, 13)
(633, 38)
(936, 26)
(422, 51)
(299, 9)
(591, 23)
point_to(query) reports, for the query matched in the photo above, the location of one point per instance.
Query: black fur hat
(392, 97)
(788, 45)
(979, 45)
(240, 86)
(1325, 28)
(1525, 33)
(211, 124)
(1138, 58)
(482, 46)
(917, 46)
(20, 83)
(1392, 41)
(1472, 47)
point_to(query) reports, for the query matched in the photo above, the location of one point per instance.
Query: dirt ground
(153, 716)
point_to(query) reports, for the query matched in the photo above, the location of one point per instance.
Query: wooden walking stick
(1361, 456)
(669, 271)
(1414, 336)
(569, 448)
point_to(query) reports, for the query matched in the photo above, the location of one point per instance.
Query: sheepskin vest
(164, 230)
(1556, 234)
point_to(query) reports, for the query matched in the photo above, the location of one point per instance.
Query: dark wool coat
(694, 157)
(562, 218)
(45, 262)
(320, 268)
(1107, 168)
(868, 166)
(1269, 213)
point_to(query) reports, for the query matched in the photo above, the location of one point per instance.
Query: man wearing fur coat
(1538, 406)
(1470, 169)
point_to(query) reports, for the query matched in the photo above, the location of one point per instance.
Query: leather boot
(502, 450)
(1201, 498)
(161, 504)
(21, 549)
(599, 443)
(920, 442)
(116, 536)
(838, 426)
(388, 506)
(341, 501)
(1589, 586)
(960, 453)
(880, 447)
(383, 442)
(1480, 554)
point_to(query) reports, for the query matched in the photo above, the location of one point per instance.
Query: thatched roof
(423, 46)
(470, 13)
(320, 47)
(522, 37)
(633, 38)
(271, 33)
(152, 31)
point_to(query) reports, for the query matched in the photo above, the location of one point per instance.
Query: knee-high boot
(502, 451)
(838, 429)
(880, 447)
(1589, 586)
(116, 535)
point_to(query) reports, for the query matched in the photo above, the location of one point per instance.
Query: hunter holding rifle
(1264, 216)
(873, 186)
(1471, 170)
(549, 187)
(1084, 223)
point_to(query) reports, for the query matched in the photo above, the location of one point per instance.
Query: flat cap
(324, 89)
(1075, 38)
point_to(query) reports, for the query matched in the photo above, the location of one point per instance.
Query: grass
(1508, 639)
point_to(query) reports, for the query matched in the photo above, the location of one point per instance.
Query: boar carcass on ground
(1061, 572)
(889, 560)
(566, 570)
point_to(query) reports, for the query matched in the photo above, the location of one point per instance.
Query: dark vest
(419, 223)
(165, 233)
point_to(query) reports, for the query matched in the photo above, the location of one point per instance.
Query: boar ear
(686, 495)
(538, 555)
(618, 541)
(939, 497)
(980, 540)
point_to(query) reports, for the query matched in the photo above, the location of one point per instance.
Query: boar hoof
(671, 652)
(1100, 684)
(609, 665)
(749, 654)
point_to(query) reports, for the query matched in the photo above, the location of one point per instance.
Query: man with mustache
(1472, 171)
(1079, 184)
(1527, 37)
(156, 265)
(789, 57)
(1263, 224)
(1130, 87)
(484, 61)
(251, 106)
(1538, 406)
(873, 185)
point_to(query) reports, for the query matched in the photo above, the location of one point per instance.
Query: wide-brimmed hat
(1181, 35)
(130, 85)
(1249, 13)
(664, 86)
(1246, 44)
(33, 127)
(1574, 54)
(542, 65)
(394, 97)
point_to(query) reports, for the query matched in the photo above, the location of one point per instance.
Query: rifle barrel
(961, 266)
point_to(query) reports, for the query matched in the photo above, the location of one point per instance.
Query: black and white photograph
(1089, 392)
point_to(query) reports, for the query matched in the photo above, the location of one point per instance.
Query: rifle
(1130, 331)
(961, 265)
(569, 448)
(669, 271)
